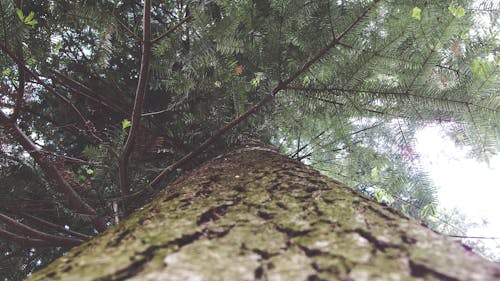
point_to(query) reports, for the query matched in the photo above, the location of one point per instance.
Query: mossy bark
(254, 214)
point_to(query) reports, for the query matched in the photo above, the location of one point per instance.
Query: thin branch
(21, 75)
(88, 125)
(281, 86)
(139, 99)
(21, 88)
(299, 149)
(4, 25)
(472, 237)
(31, 232)
(383, 93)
(87, 92)
(122, 25)
(24, 241)
(6, 256)
(156, 112)
(172, 29)
(50, 170)
(57, 227)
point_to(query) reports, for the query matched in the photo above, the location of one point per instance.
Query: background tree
(346, 82)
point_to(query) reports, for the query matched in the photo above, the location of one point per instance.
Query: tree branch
(20, 88)
(31, 232)
(23, 241)
(139, 99)
(57, 227)
(281, 85)
(50, 170)
(172, 29)
(384, 93)
(88, 125)
(80, 89)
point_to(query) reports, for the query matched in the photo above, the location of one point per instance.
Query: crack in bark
(171, 197)
(421, 270)
(380, 245)
(264, 254)
(265, 215)
(119, 239)
(312, 252)
(290, 233)
(219, 234)
(315, 277)
(147, 255)
(215, 213)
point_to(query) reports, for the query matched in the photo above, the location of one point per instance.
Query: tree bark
(254, 214)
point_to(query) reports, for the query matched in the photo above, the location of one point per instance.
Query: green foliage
(416, 13)
(29, 19)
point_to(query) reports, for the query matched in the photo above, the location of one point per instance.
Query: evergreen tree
(105, 102)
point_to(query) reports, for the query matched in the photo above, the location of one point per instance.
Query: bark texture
(254, 214)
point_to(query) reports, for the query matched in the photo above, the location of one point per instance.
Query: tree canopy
(102, 103)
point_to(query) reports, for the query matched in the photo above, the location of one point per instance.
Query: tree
(112, 100)
(253, 214)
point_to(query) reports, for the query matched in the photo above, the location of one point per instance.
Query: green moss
(256, 215)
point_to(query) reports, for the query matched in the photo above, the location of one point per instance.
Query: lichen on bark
(254, 214)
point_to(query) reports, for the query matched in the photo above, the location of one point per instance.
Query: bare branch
(139, 99)
(57, 227)
(50, 170)
(20, 88)
(23, 241)
(472, 237)
(31, 232)
(51, 90)
(80, 89)
(172, 29)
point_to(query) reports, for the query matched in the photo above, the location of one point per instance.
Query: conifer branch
(407, 94)
(51, 171)
(4, 25)
(20, 88)
(125, 27)
(27, 231)
(172, 29)
(82, 90)
(23, 241)
(139, 99)
(281, 86)
(473, 237)
(87, 124)
(57, 227)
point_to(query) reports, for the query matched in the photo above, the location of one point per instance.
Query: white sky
(470, 186)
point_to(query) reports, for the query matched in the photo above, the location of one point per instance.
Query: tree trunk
(254, 214)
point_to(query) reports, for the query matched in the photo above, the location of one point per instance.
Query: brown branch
(139, 99)
(21, 75)
(6, 256)
(4, 25)
(51, 90)
(82, 90)
(21, 88)
(382, 93)
(472, 237)
(122, 25)
(24, 241)
(172, 29)
(25, 230)
(281, 85)
(57, 227)
(50, 170)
